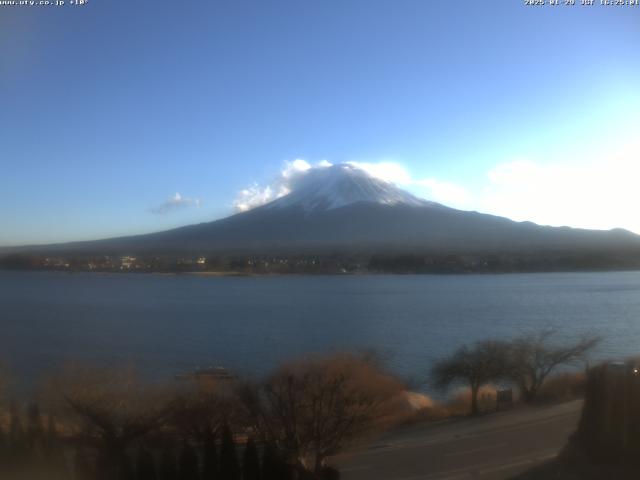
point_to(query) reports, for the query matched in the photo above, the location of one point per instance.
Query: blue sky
(116, 112)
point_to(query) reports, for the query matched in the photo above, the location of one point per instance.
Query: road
(492, 447)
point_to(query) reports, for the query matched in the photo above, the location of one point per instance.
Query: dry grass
(459, 405)
(559, 388)
(562, 387)
(434, 413)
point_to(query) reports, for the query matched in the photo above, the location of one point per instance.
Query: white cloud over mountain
(256, 194)
(393, 172)
(599, 191)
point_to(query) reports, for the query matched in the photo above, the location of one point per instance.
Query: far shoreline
(236, 274)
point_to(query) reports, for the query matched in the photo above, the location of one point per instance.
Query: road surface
(492, 447)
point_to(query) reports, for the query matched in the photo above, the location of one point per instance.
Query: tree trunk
(535, 388)
(529, 393)
(474, 399)
(318, 464)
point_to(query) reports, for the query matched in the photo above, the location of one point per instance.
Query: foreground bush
(313, 409)
(113, 427)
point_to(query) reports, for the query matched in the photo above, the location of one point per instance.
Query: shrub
(313, 408)
(229, 468)
(188, 463)
(250, 462)
(562, 387)
(145, 466)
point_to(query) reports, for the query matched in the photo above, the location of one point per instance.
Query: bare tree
(534, 356)
(312, 409)
(114, 411)
(202, 413)
(475, 366)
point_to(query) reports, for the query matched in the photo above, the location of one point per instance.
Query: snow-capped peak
(327, 188)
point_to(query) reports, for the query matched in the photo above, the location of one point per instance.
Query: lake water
(165, 324)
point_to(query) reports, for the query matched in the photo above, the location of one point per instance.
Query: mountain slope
(342, 208)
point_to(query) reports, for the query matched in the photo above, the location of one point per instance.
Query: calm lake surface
(165, 324)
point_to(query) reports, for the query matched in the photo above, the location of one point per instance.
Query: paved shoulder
(491, 447)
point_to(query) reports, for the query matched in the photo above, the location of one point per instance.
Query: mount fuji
(336, 186)
(341, 209)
